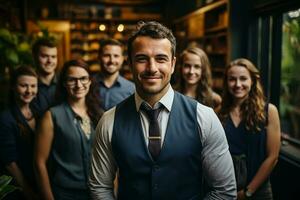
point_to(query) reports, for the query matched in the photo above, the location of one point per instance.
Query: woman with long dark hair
(66, 135)
(252, 128)
(17, 130)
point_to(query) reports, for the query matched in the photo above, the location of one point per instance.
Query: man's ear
(173, 64)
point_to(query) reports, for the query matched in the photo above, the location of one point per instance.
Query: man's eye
(161, 59)
(141, 59)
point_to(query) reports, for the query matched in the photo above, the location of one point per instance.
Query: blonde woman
(195, 78)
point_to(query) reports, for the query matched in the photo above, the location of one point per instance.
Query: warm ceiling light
(102, 27)
(40, 34)
(120, 28)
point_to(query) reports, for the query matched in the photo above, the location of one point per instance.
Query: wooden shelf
(207, 26)
(204, 9)
(85, 36)
(216, 29)
(216, 35)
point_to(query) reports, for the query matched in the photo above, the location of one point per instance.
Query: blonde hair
(204, 93)
(253, 108)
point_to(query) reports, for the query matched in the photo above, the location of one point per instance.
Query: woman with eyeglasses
(195, 78)
(66, 133)
(17, 130)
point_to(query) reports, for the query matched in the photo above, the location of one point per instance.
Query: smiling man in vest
(161, 143)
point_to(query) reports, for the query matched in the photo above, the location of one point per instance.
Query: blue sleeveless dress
(252, 145)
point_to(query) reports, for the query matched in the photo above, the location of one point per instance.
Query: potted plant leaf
(5, 187)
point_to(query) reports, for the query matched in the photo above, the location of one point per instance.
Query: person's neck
(25, 110)
(152, 99)
(46, 78)
(79, 106)
(110, 79)
(236, 107)
(190, 90)
(24, 107)
(238, 102)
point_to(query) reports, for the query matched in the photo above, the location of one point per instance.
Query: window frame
(264, 48)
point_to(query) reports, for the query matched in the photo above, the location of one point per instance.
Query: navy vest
(177, 173)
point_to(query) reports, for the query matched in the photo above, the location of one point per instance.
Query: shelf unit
(86, 32)
(86, 36)
(208, 28)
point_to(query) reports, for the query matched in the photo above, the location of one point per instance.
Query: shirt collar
(53, 81)
(166, 100)
(72, 112)
(100, 79)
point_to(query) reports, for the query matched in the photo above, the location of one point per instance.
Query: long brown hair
(92, 98)
(253, 108)
(204, 93)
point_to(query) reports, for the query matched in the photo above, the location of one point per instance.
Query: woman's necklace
(86, 126)
(85, 122)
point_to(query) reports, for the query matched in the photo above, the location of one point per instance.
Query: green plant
(5, 187)
(15, 49)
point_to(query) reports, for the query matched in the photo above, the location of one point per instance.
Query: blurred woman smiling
(17, 127)
(252, 129)
(66, 135)
(195, 78)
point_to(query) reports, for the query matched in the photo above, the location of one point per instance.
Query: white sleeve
(217, 163)
(103, 165)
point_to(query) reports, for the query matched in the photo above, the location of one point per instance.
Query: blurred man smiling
(45, 56)
(113, 87)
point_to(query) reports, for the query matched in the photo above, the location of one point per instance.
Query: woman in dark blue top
(252, 129)
(66, 134)
(17, 125)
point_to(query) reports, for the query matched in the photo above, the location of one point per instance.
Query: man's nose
(152, 66)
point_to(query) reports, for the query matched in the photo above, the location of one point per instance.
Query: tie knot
(152, 114)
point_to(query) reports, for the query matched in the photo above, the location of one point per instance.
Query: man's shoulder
(108, 116)
(185, 98)
(125, 82)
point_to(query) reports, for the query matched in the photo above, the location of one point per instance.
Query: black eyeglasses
(71, 81)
